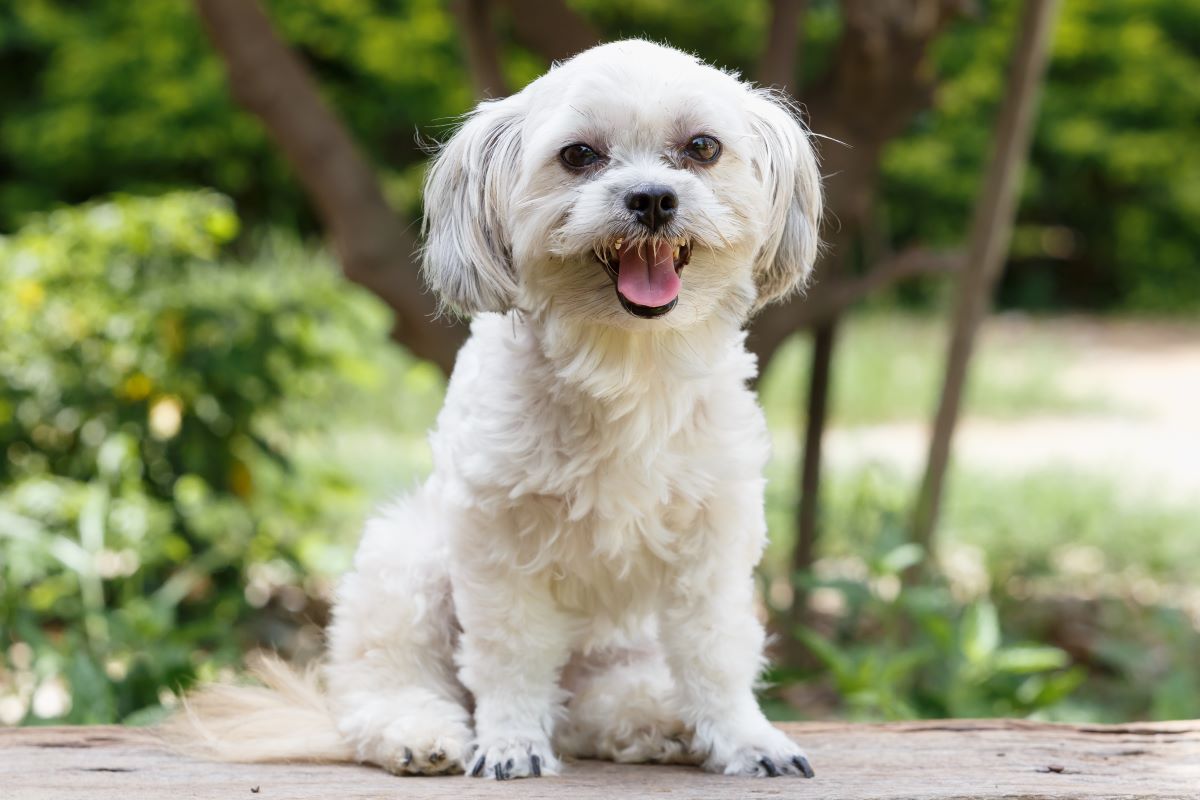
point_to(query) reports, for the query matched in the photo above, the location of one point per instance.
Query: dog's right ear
(467, 258)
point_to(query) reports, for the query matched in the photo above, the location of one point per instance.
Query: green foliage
(1056, 599)
(898, 650)
(153, 395)
(1110, 212)
(120, 96)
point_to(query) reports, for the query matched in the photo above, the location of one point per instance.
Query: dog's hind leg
(391, 674)
(621, 710)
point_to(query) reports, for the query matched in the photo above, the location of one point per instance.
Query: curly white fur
(575, 578)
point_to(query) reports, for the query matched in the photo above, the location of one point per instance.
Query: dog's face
(633, 186)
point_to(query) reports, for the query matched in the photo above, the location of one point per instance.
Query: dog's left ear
(467, 257)
(787, 166)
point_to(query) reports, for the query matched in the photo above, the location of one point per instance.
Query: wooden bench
(932, 759)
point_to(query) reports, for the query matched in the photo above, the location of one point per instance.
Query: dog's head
(632, 185)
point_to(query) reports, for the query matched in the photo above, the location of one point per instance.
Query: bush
(153, 396)
(1056, 597)
(1110, 213)
(893, 648)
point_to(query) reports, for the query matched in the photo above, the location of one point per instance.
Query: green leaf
(901, 558)
(1026, 659)
(827, 651)
(980, 632)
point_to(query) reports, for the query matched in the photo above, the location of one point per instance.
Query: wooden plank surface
(934, 759)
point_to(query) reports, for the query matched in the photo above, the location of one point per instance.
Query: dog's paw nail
(436, 757)
(408, 756)
(802, 764)
(509, 759)
(769, 766)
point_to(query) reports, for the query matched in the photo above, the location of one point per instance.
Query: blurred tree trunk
(878, 81)
(373, 244)
(991, 231)
(785, 43)
(550, 28)
(482, 46)
(804, 551)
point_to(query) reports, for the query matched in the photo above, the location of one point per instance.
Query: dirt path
(1147, 436)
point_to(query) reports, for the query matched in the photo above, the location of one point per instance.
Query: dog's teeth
(617, 244)
(675, 253)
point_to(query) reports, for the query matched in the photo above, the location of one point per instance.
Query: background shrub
(154, 394)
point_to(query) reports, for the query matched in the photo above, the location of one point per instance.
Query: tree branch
(988, 243)
(375, 247)
(826, 301)
(836, 296)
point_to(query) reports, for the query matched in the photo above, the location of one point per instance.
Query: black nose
(652, 205)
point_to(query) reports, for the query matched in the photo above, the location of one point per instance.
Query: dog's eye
(578, 156)
(703, 149)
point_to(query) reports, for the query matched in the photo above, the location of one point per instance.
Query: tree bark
(551, 28)
(481, 46)
(372, 243)
(785, 45)
(818, 410)
(809, 501)
(991, 231)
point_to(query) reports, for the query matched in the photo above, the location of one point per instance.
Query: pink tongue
(647, 277)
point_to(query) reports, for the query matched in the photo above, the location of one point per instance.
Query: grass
(1046, 523)
(887, 367)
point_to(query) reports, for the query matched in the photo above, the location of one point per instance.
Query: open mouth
(646, 274)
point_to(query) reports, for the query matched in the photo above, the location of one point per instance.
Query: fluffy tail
(287, 718)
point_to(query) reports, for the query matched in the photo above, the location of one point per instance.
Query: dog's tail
(287, 718)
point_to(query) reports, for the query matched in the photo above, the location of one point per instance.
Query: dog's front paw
(418, 746)
(770, 755)
(517, 757)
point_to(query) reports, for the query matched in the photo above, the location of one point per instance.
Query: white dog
(575, 578)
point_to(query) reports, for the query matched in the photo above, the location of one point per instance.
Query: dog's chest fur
(598, 472)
